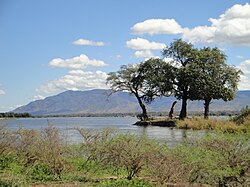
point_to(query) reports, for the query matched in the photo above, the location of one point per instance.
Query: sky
(50, 46)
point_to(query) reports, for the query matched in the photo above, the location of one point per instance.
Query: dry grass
(211, 124)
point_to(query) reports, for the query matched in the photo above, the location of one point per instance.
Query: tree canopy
(186, 72)
(212, 77)
(130, 79)
(182, 54)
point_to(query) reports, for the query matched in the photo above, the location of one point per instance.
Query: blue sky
(49, 46)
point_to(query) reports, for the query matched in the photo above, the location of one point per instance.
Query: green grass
(113, 159)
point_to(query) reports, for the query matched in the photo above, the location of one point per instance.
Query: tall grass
(197, 123)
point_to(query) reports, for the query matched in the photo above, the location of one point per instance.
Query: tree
(159, 78)
(182, 54)
(212, 78)
(128, 78)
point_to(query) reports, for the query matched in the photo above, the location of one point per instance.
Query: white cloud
(38, 97)
(240, 56)
(244, 82)
(88, 42)
(245, 67)
(75, 80)
(2, 92)
(157, 26)
(143, 54)
(143, 44)
(232, 27)
(78, 62)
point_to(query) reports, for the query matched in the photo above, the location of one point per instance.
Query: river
(66, 125)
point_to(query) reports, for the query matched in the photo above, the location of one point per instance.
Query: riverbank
(239, 123)
(108, 159)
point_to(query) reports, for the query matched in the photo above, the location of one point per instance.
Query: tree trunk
(206, 107)
(171, 113)
(183, 113)
(143, 107)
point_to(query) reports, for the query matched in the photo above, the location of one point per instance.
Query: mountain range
(99, 101)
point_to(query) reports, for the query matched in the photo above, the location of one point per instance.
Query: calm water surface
(66, 126)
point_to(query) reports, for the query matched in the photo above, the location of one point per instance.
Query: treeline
(191, 113)
(185, 72)
(15, 115)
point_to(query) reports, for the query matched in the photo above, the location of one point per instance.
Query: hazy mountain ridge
(100, 101)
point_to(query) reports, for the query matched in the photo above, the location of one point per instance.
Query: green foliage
(38, 154)
(15, 115)
(120, 152)
(243, 117)
(124, 183)
(182, 53)
(159, 78)
(217, 159)
(6, 183)
(192, 74)
(128, 78)
(212, 78)
(40, 172)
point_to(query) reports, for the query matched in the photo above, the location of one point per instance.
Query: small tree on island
(212, 78)
(182, 54)
(159, 78)
(129, 79)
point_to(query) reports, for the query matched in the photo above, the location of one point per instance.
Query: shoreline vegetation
(238, 123)
(111, 159)
(8, 115)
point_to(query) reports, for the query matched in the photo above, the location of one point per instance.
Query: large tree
(212, 77)
(129, 79)
(182, 54)
(158, 76)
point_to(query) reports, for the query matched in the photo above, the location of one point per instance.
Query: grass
(218, 125)
(108, 158)
(240, 123)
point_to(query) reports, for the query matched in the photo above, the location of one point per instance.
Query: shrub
(51, 150)
(26, 146)
(124, 183)
(242, 117)
(44, 148)
(128, 152)
(218, 159)
(164, 167)
(118, 151)
(6, 140)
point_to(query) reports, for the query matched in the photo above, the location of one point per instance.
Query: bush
(6, 140)
(242, 117)
(45, 148)
(218, 159)
(164, 167)
(124, 183)
(128, 152)
(118, 151)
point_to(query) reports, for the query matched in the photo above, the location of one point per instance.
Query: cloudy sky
(49, 46)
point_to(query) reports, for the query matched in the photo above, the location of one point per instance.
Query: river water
(66, 125)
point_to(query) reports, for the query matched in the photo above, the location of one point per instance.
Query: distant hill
(98, 101)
